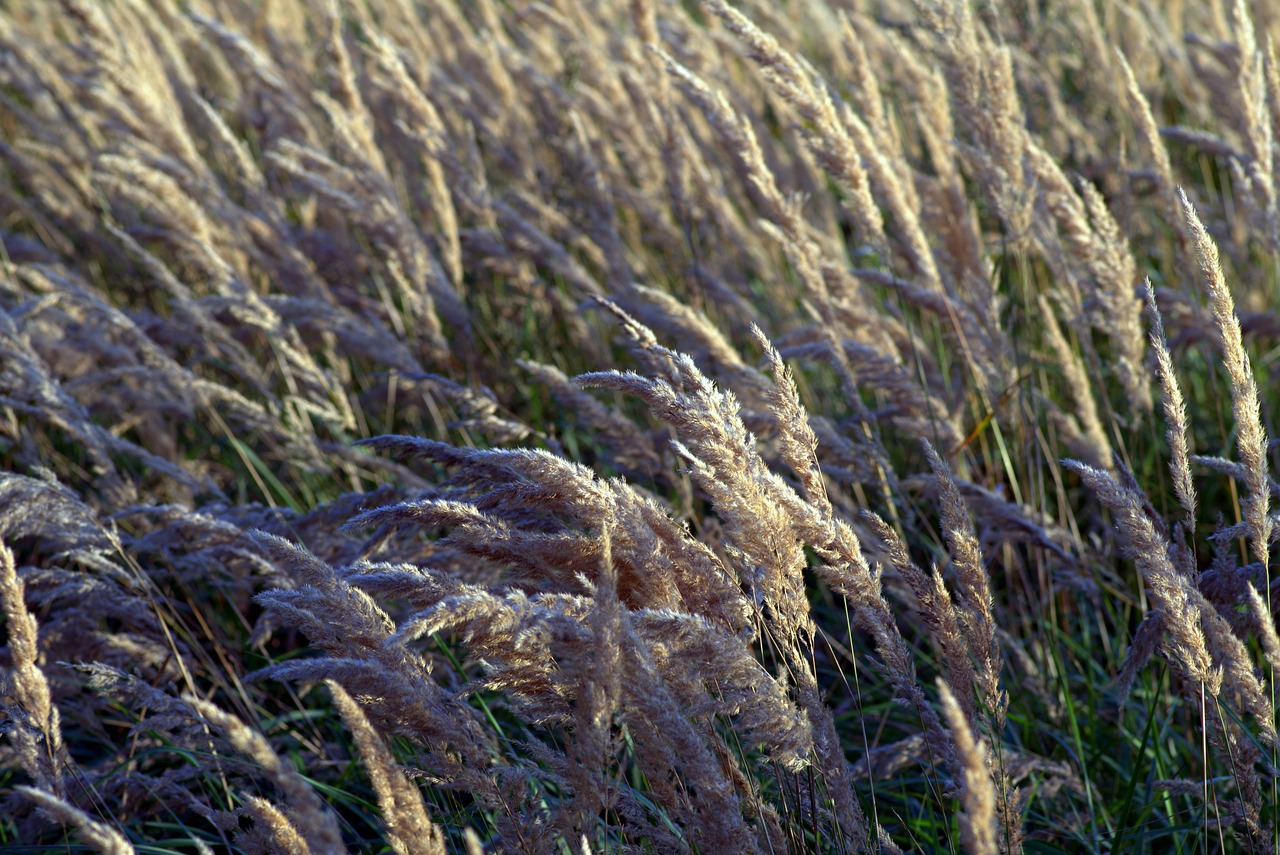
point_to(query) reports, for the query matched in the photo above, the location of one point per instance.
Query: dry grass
(839, 425)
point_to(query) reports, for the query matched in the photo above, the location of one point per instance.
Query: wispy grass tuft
(690, 427)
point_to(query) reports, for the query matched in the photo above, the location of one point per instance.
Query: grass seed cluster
(566, 426)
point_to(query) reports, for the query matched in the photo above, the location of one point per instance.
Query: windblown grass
(829, 426)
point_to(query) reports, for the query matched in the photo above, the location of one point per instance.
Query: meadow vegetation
(648, 426)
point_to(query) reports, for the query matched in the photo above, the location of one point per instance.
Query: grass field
(577, 426)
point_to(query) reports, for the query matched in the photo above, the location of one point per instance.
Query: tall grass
(821, 426)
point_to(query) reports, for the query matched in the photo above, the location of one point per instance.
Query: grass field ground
(648, 426)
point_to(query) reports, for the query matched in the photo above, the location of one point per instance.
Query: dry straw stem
(421, 122)
(1256, 172)
(1175, 413)
(596, 641)
(978, 830)
(1251, 438)
(1094, 442)
(798, 441)
(1184, 641)
(599, 693)
(1266, 627)
(981, 82)
(409, 829)
(782, 218)
(272, 832)
(348, 625)
(314, 823)
(1148, 134)
(95, 834)
(938, 610)
(1198, 641)
(837, 316)
(974, 587)
(767, 524)
(39, 737)
(798, 85)
(1113, 307)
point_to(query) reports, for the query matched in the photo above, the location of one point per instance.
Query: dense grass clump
(585, 425)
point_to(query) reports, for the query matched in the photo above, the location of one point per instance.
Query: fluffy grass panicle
(718, 427)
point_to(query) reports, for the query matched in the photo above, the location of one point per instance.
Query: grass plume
(720, 427)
